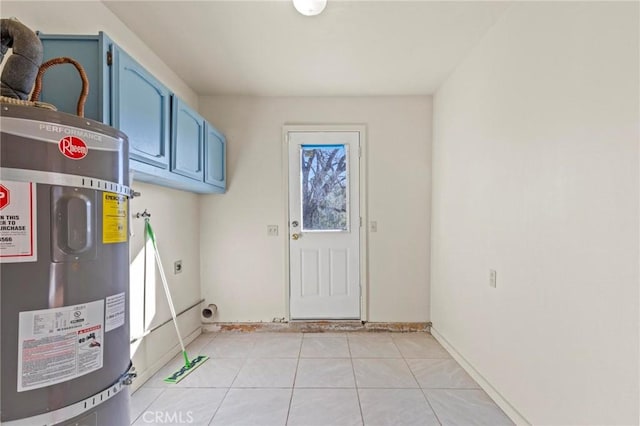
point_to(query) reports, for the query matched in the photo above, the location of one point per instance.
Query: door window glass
(325, 187)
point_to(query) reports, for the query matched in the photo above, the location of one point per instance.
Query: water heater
(64, 270)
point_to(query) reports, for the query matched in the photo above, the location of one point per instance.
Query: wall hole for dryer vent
(209, 313)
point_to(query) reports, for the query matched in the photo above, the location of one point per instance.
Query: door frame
(364, 248)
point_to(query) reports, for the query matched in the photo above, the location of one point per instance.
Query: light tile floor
(322, 379)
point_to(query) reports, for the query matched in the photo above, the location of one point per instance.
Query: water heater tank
(64, 270)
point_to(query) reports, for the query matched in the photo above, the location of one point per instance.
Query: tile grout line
(244, 362)
(295, 376)
(218, 407)
(355, 380)
(424, 395)
(144, 410)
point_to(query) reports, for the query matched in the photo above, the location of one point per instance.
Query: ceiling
(354, 48)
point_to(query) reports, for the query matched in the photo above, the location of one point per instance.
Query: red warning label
(4, 197)
(17, 222)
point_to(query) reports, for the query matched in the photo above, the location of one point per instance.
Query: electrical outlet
(272, 230)
(493, 276)
(177, 267)
(373, 226)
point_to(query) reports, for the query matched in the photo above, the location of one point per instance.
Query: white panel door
(324, 225)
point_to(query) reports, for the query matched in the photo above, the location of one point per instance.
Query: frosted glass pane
(324, 186)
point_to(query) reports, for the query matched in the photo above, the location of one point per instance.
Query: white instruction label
(56, 345)
(18, 222)
(115, 312)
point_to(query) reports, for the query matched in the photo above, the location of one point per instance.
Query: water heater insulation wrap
(64, 272)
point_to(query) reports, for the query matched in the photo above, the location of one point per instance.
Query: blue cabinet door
(187, 141)
(62, 85)
(214, 151)
(141, 111)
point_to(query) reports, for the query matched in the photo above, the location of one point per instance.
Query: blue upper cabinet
(141, 110)
(215, 153)
(187, 141)
(62, 85)
(169, 143)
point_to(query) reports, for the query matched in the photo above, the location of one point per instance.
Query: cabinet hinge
(109, 58)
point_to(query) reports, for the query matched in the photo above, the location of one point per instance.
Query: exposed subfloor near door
(324, 379)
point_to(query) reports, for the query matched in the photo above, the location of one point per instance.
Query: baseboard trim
(317, 326)
(501, 401)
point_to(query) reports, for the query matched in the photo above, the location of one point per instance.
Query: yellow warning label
(114, 218)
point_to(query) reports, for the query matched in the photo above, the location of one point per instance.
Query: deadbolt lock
(295, 236)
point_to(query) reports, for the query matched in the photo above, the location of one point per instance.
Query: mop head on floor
(187, 368)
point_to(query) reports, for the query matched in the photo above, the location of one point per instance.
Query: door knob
(295, 236)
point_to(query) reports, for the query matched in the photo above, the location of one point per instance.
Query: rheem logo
(4, 197)
(73, 147)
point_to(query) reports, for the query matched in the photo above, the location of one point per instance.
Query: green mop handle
(152, 237)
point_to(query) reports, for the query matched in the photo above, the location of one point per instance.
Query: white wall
(243, 269)
(175, 218)
(535, 159)
(90, 17)
(174, 213)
